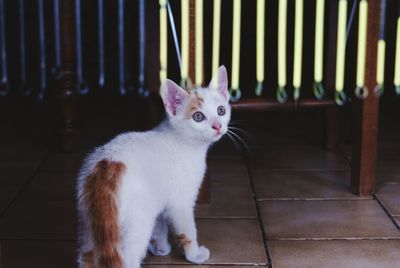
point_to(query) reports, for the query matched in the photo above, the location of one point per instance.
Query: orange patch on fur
(88, 260)
(194, 105)
(101, 203)
(183, 240)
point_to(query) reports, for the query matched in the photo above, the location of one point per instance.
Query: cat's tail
(100, 199)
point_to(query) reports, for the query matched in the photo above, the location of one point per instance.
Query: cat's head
(200, 113)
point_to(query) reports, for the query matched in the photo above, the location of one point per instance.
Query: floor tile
(87, 145)
(397, 220)
(389, 195)
(16, 173)
(271, 184)
(276, 138)
(7, 194)
(44, 220)
(296, 158)
(230, 241)
(37, 254)
(389, 130)
(388, 171)
(298, 125)
(228, 201)
(63, 162)
(389, 150)
(50, 186)
(228, 171)
(326, 219)
(225, 149)
(335, 253)
(198, 266)
(22, 150)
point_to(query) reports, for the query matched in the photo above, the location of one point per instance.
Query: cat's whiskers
(239, 139)
(235, 143)
(241, 131)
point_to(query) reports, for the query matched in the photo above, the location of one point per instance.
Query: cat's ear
(172, 96)
(220, 82)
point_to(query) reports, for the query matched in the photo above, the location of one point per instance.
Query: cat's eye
(221, 110)
(198, 116)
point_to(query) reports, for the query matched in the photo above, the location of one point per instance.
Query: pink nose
(217, 126)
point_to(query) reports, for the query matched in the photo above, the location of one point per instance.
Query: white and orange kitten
(135, 187)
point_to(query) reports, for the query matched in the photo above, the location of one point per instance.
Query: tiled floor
(286, 203)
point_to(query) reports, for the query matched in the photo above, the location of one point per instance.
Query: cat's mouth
(218, 135)
(219, 132)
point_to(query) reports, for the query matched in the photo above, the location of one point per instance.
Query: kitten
(133, 188)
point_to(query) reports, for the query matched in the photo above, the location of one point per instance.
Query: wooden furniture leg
(153, 109)
(332, 115)
(365, 116)
(66, 95)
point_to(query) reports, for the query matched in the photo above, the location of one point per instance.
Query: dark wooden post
(66, 86)
(332, 115)
(154, 109)
(365, 116)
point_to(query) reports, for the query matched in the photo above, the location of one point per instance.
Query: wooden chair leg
(66, 95)
(365, 116)
(364, 146)
(68, 109)
(332, 115)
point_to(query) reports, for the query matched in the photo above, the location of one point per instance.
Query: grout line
(301, 169)
(60, 239)
(230, 183)
(261, 226)
(386, 211)
(337, 239)
(24, 185)
(316, 199)
(226, 218)
(204, 264)
(389, 182)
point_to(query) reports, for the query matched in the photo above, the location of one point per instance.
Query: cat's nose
(217, 126)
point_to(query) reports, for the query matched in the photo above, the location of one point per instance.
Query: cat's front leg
(182, 219)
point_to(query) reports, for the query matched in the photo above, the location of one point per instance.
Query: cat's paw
(199, 256)
(159, 249)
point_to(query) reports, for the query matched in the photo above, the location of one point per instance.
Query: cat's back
(121, 148)
(151, 156)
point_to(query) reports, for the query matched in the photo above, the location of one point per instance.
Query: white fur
(165, 168)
